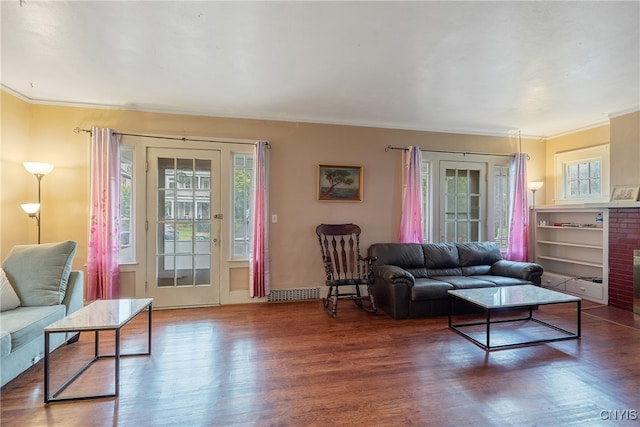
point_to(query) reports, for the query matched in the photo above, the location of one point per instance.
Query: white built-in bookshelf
(571, 245)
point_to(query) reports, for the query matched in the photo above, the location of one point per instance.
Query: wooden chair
(344, 267)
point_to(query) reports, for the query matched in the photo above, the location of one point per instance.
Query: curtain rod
(389, 147)
(183, 139)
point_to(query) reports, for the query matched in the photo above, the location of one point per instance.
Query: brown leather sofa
(412, 280)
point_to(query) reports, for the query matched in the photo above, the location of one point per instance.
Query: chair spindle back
(340, 247)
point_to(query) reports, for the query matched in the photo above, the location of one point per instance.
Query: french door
(463, 189)
(183, 227)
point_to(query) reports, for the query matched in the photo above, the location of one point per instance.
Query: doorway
(463, 189)
(183, 227)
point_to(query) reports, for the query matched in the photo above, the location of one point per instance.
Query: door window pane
(183, 222)
(474, 232)
(463, 205)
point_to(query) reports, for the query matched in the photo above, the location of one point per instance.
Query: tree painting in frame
(340, 183)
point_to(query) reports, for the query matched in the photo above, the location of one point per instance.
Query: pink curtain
(102, 259)
(259, 261)
(411, 219)
(518, 249)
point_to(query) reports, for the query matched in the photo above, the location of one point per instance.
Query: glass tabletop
(512, 296)
(101, 314)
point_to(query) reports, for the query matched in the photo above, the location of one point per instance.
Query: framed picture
(626, 193)
(339, 183)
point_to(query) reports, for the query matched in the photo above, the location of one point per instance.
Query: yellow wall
(625, 151)
(623, 135)
(45, 133)
(15, 189)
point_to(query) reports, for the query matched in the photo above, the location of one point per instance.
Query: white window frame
(128, 256)
(425, 174)
(501, 204)
(561, 162)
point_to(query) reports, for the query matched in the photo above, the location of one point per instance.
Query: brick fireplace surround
(624, 237)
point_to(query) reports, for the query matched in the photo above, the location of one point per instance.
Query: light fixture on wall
(38, 170)
(535, 186)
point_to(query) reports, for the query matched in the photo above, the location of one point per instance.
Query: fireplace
(624, 245)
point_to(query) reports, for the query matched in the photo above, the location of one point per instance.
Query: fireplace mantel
(613, 205)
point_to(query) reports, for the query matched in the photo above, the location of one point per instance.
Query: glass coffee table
(497, 299)
(100, 315)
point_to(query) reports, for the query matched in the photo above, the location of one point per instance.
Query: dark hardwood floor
(291, 364)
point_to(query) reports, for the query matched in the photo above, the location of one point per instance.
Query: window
(242, 195)
(126, 254)
(501, 201)
(426, 205)
(582, 175)
(583, 178)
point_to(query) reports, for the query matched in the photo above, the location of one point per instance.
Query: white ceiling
(543, 68)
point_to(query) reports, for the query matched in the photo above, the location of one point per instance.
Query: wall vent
(293, 294)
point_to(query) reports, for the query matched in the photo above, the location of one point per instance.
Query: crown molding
(625, 112)
(380, 125)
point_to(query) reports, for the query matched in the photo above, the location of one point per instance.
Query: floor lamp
(534, 186)
(38, 170)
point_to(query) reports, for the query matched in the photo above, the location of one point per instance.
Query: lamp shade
(30, 208)
(38, 168)
(535, 185)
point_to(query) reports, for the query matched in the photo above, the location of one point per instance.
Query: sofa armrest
(392, 289)
(522, 270)
(394, 274)
(74, 296)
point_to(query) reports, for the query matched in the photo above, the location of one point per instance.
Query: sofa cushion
(418, 272)
(437, 272)
(478, 253)
(39, 273)
(407, 256)
(476, 270)
(26, 323)
(465, 282)
(426, 289)
(5, 343)
(440, 256)
(8, 297)
(502, 280)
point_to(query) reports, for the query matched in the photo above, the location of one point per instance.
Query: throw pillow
(8, 298)
(39, 273)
